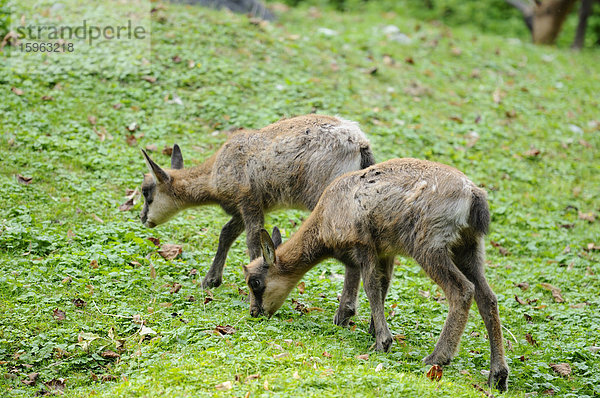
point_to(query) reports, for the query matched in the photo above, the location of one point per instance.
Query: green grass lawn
(78, 276)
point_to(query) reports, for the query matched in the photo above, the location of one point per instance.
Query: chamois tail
(366, 157)
(479, 214)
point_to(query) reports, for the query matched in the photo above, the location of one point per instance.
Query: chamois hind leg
(347, 308)
(372, 274)
(387, 266)
(469, 258)
(459, 293)
(229, 233)
(254, 220)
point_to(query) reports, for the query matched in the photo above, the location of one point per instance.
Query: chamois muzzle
(144, 220)
(255, 312)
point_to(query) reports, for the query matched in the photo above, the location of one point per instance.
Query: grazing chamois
(426, 210)
(286, 164)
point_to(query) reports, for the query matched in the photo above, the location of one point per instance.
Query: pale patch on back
(416, 191)
(352, 130)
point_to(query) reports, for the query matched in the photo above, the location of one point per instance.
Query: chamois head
(159, 203)
(266, 298)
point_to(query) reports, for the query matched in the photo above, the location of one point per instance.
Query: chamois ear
(176, 158)
(267, 247)
(276, 237)
(159, 175)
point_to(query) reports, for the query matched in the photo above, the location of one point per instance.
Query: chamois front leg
(229, 234)
(372, 274)
(386, 265)
(254, 220)
(347, 308)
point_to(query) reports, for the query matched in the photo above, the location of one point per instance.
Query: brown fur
(422, 209)
(545, 18)
(286, 164)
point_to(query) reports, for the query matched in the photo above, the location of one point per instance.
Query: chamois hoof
(499, 379)
(343, 316)
(434, 359)
(211, 281)
(384, 344)
(342, 320)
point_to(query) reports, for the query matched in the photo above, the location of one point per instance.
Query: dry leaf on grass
(364, 357)
(170, 251)
(31, 379)
(555, 292)
(145, 330)
(128, 205)
(225, 386)
(497, 95)
(101, 134)
(109, 354)
(176, 287)
(167, 150)
(156, 241)
(590, 217)
(435, 373)
(563, 369)
(223, 330)
(523, 285)
(59, 314)
(501, 250)
(301, 287)
(24, 180)
(520, 300)
(531, 340)
(131, 140)
(79, 303)
(17, 91)
(56, 384)
(532, 152)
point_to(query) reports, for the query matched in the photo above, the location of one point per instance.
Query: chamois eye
(255, 284)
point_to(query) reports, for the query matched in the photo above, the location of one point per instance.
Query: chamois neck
(193, 185)
(301, 252)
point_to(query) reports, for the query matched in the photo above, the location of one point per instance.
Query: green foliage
(492, 16)
(5, 14)
(78, 276)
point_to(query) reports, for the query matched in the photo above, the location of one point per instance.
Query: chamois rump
(426, 210)
(286, 164)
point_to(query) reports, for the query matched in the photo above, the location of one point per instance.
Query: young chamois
(286, 164)
(417, 208)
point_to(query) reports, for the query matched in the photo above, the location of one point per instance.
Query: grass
(520, 120)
